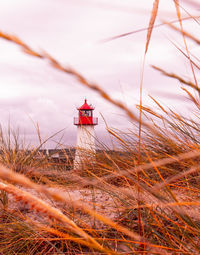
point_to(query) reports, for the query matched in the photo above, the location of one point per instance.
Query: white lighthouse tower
(85, 123)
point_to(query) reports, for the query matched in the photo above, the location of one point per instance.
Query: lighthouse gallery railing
(77, 121)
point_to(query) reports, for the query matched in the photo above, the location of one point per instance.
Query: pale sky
(72, 31)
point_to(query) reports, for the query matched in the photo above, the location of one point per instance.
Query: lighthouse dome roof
(85, 106)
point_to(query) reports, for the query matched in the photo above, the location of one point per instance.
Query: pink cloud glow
(72, 32)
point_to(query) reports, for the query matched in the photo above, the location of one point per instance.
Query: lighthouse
(85, 123)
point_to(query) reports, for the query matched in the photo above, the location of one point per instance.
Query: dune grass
(143, 199)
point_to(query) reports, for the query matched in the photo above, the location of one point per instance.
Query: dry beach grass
(142, 200)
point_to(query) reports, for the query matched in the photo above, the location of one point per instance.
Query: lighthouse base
(85, 150)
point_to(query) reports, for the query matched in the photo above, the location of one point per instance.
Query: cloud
(72, 31)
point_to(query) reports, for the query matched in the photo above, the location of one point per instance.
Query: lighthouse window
(86, 113)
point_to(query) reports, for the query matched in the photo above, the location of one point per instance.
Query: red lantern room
(85, 115)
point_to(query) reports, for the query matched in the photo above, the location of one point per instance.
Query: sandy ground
(102, 202)
(97, 200)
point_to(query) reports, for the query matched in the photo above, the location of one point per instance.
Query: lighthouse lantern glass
(85, 113)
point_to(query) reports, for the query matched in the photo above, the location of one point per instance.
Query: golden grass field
(141, 200)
